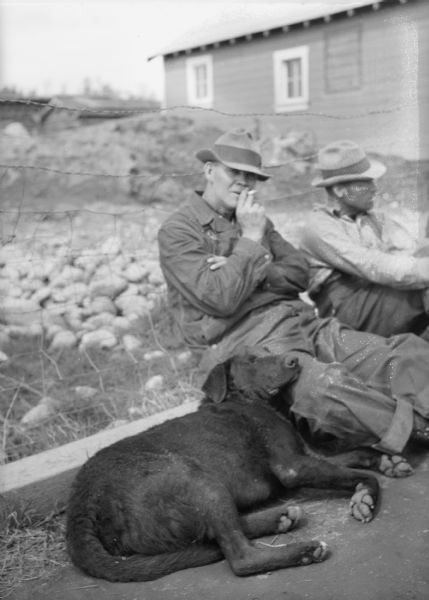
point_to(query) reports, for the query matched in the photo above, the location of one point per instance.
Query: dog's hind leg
(273, 520)
(228, 529)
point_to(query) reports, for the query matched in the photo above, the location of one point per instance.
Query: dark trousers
(363, 389)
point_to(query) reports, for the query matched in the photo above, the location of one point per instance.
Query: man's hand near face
(250, 216)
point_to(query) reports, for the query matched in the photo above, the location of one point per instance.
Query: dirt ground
(383, 560)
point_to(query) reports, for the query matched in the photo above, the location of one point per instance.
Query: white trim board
(42, 482)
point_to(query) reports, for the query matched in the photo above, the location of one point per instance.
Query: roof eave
(350, 12)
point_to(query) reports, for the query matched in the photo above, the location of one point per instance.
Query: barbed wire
(166, 174)
(131, 213)
(136, 175)
(99, 174)
(160, 109)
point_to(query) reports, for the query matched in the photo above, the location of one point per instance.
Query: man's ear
(215, 386)
(209, 170)
(339, 190)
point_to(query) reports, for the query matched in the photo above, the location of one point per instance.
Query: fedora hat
(238, 150)
(345, 161)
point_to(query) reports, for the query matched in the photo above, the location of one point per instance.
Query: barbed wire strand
(154, 176)
(191, 108)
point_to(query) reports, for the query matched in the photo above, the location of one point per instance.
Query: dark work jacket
(206, 304)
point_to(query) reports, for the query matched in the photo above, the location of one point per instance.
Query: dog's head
(254, 373)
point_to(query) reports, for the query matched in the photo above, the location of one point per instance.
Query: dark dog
(172, 497)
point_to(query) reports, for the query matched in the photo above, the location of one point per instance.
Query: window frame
(281, 102)
(191, 80)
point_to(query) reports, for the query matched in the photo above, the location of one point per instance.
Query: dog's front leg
(366, 458)
(307, 471)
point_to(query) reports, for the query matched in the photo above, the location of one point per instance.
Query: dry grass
(31, 549)
(117, 378)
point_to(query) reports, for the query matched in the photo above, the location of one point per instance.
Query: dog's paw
(289, 518)
(317, 552)
(362, 504)
(394, 466)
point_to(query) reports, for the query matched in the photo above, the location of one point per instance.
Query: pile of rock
(90, 298)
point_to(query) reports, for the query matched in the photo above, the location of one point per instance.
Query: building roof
(285, 16)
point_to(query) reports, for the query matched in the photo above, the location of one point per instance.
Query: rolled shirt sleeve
(332, 243)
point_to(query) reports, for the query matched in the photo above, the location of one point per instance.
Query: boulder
(120, 326)
(136, 273)
(101, 338)
(102, 304)
(85, 392)
(112, 246)
(108, 286)
(153, 354)
(41, 412)
(100, 321)
(131, 342)
(63, 339)
(133, 305)
(21, 312)
(154, 383)
(42, 294)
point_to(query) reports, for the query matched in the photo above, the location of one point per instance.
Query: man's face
(357, 196)
(227, 184)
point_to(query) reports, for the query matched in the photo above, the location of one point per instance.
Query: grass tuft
(31, 549)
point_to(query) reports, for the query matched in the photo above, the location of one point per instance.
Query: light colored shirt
(375, 247)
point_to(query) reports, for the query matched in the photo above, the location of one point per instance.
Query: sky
(49, 47)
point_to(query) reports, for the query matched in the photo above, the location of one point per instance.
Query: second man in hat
(367, 269)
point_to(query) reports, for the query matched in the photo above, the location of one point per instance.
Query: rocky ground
(80, 213)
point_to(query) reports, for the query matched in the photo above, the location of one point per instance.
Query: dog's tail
(88, 553)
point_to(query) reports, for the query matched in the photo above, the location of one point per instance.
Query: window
(343, 60)
(199, 78)
(291, 89)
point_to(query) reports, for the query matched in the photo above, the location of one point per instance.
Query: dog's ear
(215, 386)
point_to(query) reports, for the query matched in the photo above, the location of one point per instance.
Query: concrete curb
(41, 482)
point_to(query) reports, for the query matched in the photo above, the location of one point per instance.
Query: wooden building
(360, 73)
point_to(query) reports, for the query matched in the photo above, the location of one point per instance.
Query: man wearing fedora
(367, 269)
(233, 281)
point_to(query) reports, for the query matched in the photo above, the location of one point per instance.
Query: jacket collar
(206, 215)
(333, 209)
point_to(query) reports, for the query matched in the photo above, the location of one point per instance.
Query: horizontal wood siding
(175, 82)
(423, 87)
(382, 114)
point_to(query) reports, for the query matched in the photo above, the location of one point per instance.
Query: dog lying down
(183, 494)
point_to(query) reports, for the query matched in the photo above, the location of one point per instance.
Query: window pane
(292, 78)
(201, 81)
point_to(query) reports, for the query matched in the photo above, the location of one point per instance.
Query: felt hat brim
(376, 170)
(207, 155)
